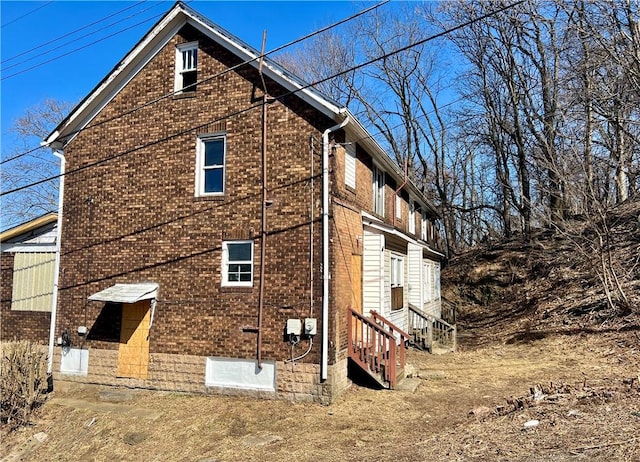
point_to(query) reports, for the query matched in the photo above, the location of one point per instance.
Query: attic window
(186, 67)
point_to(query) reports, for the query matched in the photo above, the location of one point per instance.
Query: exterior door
(133, 354)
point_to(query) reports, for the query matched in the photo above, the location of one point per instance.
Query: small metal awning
(127, 293)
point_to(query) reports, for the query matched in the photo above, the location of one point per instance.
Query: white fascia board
(139, 57)
(32, 248)
(375, 223)
(246, 54)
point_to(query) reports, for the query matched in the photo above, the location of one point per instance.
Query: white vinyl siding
(372, 272)
(414, 276)
(436, 281)
(350, 165)
(32, 281)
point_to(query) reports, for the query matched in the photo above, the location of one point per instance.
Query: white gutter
(56, 270)
(325, 247)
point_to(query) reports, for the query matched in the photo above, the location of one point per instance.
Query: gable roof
(28, 227)
(161, 33)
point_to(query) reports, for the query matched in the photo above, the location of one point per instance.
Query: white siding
(414, 277)
(386, 310)
(372, 272)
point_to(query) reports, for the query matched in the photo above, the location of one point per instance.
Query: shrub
(23, 381)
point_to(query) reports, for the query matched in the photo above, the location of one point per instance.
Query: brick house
(27, 264)
(220, 237)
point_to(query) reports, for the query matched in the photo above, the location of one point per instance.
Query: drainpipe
(325, 247)
(56, 270)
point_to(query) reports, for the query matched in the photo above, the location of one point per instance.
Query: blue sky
(29, 24)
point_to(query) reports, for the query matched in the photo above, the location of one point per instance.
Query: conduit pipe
(56, 269)
(325, 247)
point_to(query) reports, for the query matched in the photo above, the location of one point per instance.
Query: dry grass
(460, 411)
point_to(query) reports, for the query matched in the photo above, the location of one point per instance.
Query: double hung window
(378, 191)
(237, 263)
(186, 67)
(210, 169)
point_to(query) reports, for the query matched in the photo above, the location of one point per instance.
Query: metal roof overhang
(127, 293)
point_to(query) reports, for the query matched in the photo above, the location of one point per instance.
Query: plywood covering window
(32, 281)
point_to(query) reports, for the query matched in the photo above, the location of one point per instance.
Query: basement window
(186, 67)
(237, 263)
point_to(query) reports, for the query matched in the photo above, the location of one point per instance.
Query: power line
(26, 14)
(22, 154)
(74, 40)
(81, 47)
(230, 69)
(277, 98)
(42, 45)
(172, 93)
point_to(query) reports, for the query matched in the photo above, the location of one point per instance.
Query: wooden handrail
(378, 317)
(437, 329)
(372, 347)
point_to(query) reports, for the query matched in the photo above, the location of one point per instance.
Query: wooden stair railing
(449, 311)
(404, 337)
(373, 349)
(430, 330)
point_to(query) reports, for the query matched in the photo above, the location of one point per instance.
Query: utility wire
(25, 15)
(81, 47)
(276, 98)
(42, 45)
(172, 93)
(75, 40)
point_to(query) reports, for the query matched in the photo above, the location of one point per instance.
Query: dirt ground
(582, 389)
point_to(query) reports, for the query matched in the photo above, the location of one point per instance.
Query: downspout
(325, 248)
(263, 232)
(56, 270)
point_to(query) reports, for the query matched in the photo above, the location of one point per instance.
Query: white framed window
(237, 263)
(427, 282)
(397, 270)
(186, 67)
(350, 165)
(398, 207)
(378, 191)
(210, 165)
(412, 217)
(423, 228)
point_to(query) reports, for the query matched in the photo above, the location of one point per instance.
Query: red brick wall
(19, 325)
(134, 218)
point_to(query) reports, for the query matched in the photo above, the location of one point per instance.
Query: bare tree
(20, 169)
